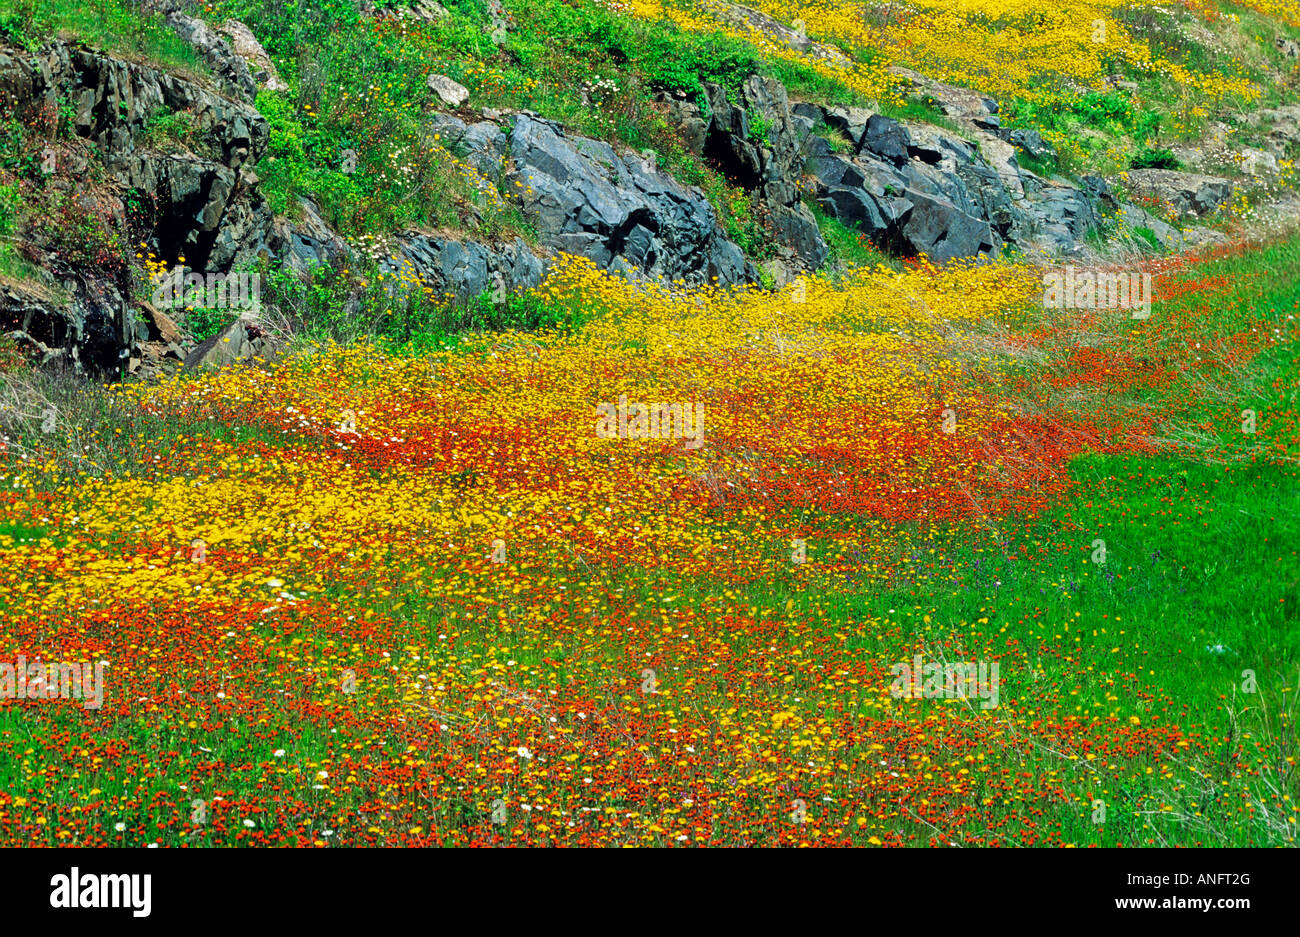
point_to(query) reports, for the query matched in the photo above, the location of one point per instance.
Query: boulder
(462, 270)
(449, 92)
(887, 139)
(939, 229)
(200, 204)
(796, 227)
(850, 121)
(584, 198)
(1255, 162)
(160, 325)
(1283, 125)
(240, 342)
(689, 121)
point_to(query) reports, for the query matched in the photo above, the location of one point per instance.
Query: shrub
(1147, 158)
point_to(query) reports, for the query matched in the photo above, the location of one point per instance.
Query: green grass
(166, 129)
(924, 110)
(108, 24)
(1038, 165)
(848, 248)
(1149, 236)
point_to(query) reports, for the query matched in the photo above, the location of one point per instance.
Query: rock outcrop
(463, 270)
(1188, 193)
(245, 45)
(756, 143)
(230, 68)
(198, 205)
(913, 188)
(585, 198)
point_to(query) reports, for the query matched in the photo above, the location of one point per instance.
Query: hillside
(560, 422)
(753, 152)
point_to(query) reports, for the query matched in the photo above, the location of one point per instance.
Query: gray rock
(487, 148)
(851, 121)
(939, 229)
(796, 227)
(230, 68)
(87, 328)
(758, 144)
(245, 45)
(810, 111)
(742, 151)
(463, 270)
(912, 209)
(196, 205)
(586, 199)
(1255, 162)
(1167, 236)
(1189, 193)
(689, 122)
(448, 131)
(113, 101)
(448, 91)
(426, 10)
(886, 138)
(1052, 218)
(240, 342)
(1032, 142)
(308, 243)
(1099, 189)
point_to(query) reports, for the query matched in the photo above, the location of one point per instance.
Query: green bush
(1147, 158)
(1103, 108)
(682, 62)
